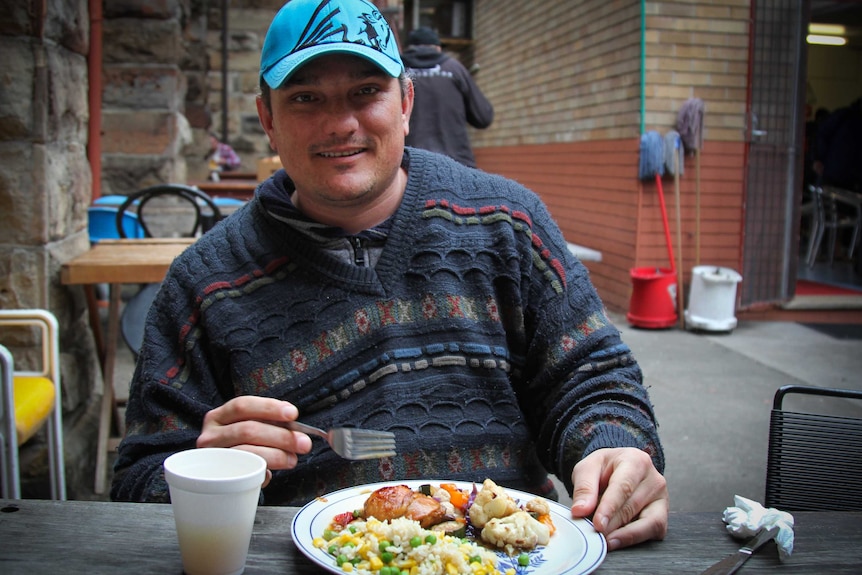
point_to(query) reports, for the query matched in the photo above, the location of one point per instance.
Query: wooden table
(116, 262)
(241, 189)
(40, 536)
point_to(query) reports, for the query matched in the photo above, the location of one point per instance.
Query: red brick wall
(593, 191)
(565, 82)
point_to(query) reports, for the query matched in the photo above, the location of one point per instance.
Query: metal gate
(774, 134)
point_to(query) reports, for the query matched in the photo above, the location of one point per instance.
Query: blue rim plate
(576, 548)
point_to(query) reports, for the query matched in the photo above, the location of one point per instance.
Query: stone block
(68, 110)
(133, 40)
(68, 24)
(124, 173)
(142, 87)
(16, 97)
(139, 132)
(155, 9)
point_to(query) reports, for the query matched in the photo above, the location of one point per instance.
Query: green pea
(383, 545)
(341, 560)
(333, 550)
(415, 541)
(387, 557)
(431, 539)
(523, 559)
(352, 529)
(475, 559)
(329, 534)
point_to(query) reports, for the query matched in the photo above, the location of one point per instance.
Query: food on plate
(439, 529)
(401, 501)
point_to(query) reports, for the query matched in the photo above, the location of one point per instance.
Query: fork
(351, 442)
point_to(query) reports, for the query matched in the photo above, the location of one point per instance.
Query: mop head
(673, 147)
(651, 156)
(689, 123)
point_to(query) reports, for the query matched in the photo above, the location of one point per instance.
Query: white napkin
(749, 517)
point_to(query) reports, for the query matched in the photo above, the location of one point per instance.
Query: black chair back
(815, 459)
(206, 212)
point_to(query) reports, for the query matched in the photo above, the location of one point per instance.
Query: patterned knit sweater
(477, 338)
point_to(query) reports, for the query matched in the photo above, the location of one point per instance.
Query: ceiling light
(826, 40)
(828, 29)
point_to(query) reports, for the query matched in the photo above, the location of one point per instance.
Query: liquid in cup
(214, 496)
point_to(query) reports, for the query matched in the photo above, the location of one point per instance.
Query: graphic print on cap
(320, 30)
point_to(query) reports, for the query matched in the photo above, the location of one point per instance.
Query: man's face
(338, 125)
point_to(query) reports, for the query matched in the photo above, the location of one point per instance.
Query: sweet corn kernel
(451, 569)
(319, 542)
(347, 567)
(375, 563)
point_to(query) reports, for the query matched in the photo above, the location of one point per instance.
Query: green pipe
(643, 65)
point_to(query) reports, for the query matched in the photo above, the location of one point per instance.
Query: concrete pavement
(713, 394)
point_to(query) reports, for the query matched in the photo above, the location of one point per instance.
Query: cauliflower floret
(492, 501)
(538, 506)
(518, 530)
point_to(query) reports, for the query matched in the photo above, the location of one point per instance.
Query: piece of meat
(396, 501)
(426, 510)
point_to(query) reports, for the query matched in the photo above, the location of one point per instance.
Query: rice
(357, 550)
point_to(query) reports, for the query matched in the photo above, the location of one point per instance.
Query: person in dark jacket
(446, 99)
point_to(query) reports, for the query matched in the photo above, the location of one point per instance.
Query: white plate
(576, 548)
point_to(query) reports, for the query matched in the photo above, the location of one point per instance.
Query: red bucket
(653, 303)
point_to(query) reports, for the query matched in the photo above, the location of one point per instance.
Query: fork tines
(368, 443)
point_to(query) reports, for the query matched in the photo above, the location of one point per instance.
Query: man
(221, 156)
(377, 286)
(446, 99)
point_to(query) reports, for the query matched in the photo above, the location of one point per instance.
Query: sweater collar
(274, 195)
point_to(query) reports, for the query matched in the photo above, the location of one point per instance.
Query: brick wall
(565, 82)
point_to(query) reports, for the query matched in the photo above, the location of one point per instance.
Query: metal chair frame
(135, 311)
(50, 369)
(827, 217)
(203, 221)
(814, 461)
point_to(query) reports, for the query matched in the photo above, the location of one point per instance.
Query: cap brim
(284, 68)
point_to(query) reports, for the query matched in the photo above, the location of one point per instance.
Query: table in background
(40, 536)
(116, 262)
(240, 189)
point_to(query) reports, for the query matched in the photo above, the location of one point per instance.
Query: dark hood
(423, 57)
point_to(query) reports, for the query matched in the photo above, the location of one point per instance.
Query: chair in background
(827, 216)
(204, 211)
(102, 224)
(204, 214)
(814, 461)
(31, 400)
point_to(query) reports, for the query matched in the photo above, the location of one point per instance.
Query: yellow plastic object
(34, 400)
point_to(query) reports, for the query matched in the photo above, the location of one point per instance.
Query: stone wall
(145, 132)
(44, 193)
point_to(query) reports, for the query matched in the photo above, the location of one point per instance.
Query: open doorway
(833, 83)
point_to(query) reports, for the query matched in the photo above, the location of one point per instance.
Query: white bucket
(712, 299)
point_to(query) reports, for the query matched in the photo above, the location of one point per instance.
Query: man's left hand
(624, 492)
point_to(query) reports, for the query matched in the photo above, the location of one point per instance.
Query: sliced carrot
(456, 496)
(546, 519)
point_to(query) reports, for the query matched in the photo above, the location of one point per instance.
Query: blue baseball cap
(306, 29)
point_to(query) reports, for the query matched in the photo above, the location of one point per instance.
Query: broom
(674, 164)
(651, 165)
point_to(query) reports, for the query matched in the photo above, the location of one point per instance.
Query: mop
(673, 161)
(689, 123)
(652, 166)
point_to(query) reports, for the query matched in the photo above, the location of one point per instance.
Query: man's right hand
(253, 423)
